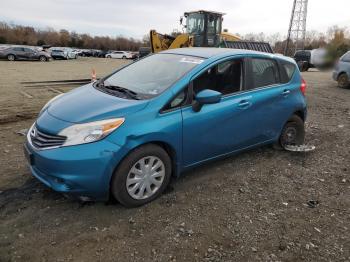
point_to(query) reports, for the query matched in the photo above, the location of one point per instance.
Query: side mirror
(207, 96)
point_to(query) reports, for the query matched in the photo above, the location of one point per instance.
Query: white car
(120, 54)
(63, 53)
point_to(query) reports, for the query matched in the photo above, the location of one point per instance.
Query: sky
(134, 18)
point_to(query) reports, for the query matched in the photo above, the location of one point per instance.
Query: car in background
(315, 58)
(76, 53)
(341, 72)
(128, 133)
(144, 51)
(103, 54)
(86, 53)
(120, 55)
(63, 53)
(24, 53)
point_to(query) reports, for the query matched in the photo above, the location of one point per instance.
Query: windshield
(195, 23)
(153, 74)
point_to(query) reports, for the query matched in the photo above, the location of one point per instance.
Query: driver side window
(225, 77)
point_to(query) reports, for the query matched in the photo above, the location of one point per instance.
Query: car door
(29, 54)
(19, 52)
(224, 127)
(270, 97)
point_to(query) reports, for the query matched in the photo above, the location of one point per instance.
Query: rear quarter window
(287, 70)
(264, 72)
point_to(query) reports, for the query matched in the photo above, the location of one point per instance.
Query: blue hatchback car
(125, 135)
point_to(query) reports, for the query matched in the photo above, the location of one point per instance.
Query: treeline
(26, 35)
(336, 40)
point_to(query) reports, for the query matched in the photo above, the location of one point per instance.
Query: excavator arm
(160, 42)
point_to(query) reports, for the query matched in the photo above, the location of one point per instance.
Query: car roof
(209, 52)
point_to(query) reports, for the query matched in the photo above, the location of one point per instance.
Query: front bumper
(81, 171)
(335, 75)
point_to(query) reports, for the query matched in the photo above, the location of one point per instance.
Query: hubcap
(145, 177)
(290, 136)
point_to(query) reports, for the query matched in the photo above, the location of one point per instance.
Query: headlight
(48, 103)
(90, 132)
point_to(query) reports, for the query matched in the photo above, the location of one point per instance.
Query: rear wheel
(11, 57)
(142, 176)
(343, 81)
(42, 59)
(108, 56)
(293, 133)
(124, 57)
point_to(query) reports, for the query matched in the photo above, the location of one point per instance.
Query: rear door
(271, 97)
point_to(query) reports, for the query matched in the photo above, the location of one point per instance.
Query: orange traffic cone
(93, 75)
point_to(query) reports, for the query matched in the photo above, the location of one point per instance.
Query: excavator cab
(204, 28)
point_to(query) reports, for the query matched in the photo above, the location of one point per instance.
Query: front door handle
(244, 104)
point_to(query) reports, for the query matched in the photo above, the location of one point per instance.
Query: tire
(42, 59)
(123, 180)
(293, 133)
(108, 56)
(343, 81)
(124, 57)
(11, 57)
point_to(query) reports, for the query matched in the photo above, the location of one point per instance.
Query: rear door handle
(286, 92)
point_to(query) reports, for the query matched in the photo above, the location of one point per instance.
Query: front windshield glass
(195, 23)
(152, 75)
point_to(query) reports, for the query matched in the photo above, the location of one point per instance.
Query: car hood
(86, 104)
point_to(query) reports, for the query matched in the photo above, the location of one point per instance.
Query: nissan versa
(128, 133)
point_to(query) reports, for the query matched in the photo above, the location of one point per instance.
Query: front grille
(43, 140)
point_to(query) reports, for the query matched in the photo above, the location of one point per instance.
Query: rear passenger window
(287, 71)
(265, 72)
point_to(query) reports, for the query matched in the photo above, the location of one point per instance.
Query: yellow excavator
(203, 29)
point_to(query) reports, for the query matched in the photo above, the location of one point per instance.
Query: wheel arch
(164, 145)
(301, 114)
(342, 73)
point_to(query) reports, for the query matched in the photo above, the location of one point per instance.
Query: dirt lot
(249, 207)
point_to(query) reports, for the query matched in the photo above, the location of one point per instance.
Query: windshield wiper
(120, 89)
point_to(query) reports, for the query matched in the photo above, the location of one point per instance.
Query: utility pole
(297, 27)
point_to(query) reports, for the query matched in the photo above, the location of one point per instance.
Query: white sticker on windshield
(191, 60)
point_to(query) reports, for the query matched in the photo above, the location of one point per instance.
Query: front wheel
(142, 176)
(343, 81)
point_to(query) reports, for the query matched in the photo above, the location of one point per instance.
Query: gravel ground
(261, 205)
